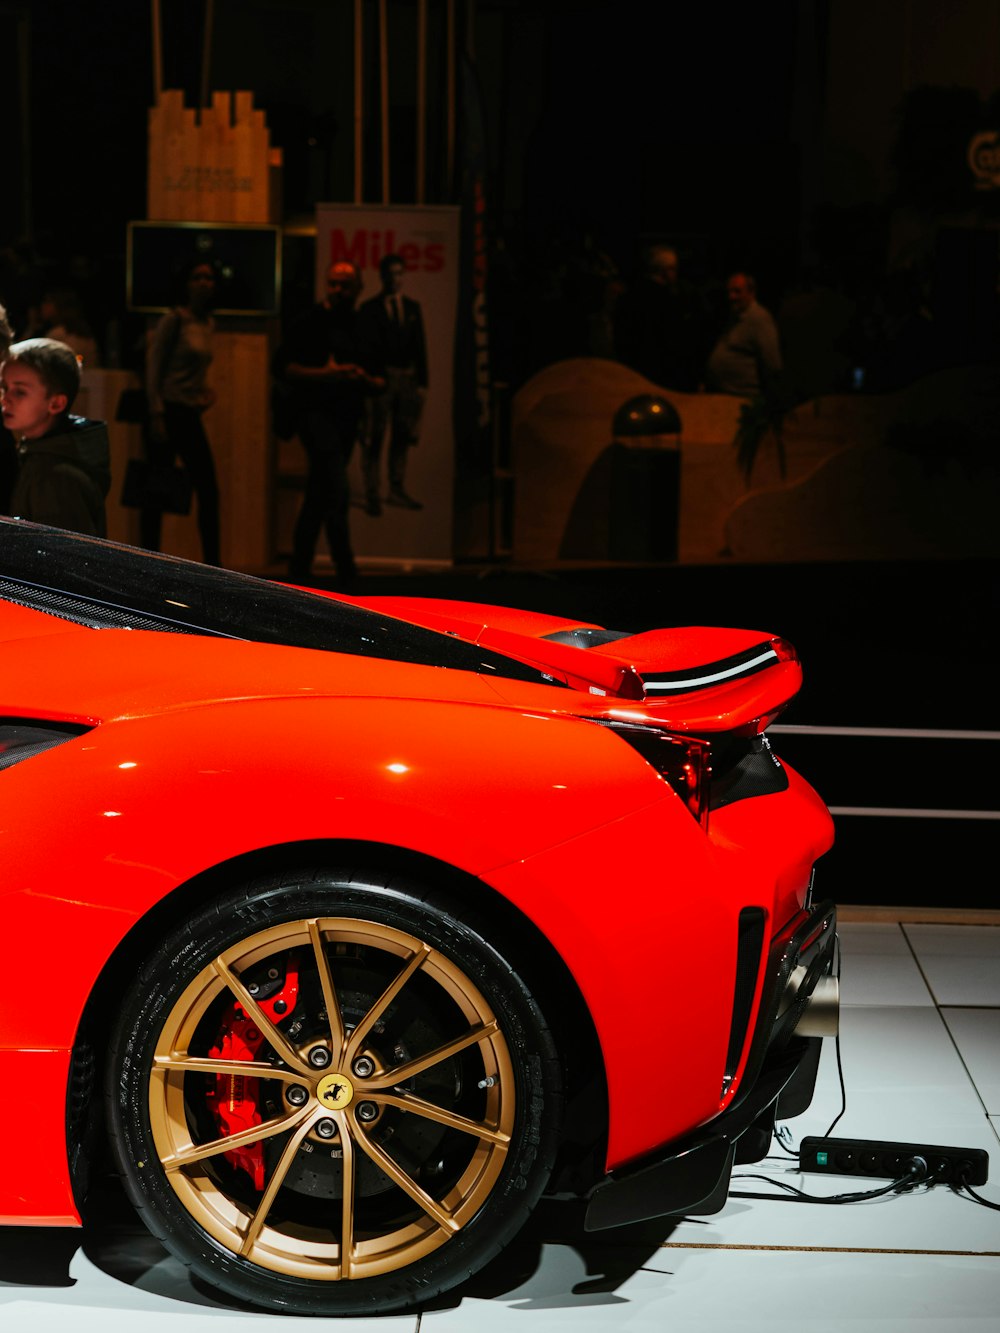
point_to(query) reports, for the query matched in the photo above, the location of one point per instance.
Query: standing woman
(176, 367)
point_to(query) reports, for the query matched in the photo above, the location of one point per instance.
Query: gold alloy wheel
(410, 1114)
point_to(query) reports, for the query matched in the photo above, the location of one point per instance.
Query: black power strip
(872, 1157)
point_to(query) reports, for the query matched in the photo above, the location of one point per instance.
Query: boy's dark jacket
(64, 477)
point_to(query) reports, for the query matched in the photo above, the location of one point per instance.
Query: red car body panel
(204, 750)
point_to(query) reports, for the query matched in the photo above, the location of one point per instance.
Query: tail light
(682, 761)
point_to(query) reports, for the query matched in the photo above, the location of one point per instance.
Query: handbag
(163, 486)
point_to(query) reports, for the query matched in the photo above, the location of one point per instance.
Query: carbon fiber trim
(92, 615)
(586, 638)
(757, 772)
(22, 739)
(747, 663)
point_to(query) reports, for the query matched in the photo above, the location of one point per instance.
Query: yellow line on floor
(824, 1249)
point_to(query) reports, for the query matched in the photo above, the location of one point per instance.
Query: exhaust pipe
(821, 1016)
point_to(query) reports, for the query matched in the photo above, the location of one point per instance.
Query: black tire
(444, 1159)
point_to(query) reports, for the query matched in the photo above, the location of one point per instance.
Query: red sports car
(346, 929)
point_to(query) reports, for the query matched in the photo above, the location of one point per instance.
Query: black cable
(917, 1174)
(840, 1063)
(843, 1089)
(786, 1147)
(788, 1151)
(964, 1185)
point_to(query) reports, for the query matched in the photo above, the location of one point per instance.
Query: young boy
(65, 461)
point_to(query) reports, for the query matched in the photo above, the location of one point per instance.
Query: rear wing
(692, 678)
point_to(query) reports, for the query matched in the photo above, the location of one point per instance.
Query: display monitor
(246, 257)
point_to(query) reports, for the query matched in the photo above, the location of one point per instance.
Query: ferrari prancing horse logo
(335, 1091)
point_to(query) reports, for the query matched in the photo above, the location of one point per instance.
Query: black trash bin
(644, 500)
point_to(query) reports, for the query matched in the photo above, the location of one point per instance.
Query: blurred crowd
(846, 318)
(680, 315)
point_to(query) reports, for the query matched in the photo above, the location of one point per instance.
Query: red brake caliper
(234, 1099)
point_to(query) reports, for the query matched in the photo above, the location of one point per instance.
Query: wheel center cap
(335, 1091)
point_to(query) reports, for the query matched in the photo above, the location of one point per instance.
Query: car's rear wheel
(333, 1096)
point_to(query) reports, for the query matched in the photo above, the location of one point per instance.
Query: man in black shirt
(328, 369)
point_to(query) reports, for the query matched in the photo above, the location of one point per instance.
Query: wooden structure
(211, 164)
(216, 164)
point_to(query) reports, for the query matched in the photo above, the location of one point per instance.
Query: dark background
(800, 139)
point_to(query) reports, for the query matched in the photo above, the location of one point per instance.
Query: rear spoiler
(694, 677)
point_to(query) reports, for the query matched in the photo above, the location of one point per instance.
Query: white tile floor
(920, 1043)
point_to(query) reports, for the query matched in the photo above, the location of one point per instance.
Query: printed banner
(473, 406)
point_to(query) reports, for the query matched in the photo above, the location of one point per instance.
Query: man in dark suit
(328, 370)
(393, 324)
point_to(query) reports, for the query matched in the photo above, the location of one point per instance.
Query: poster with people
(402, 466)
